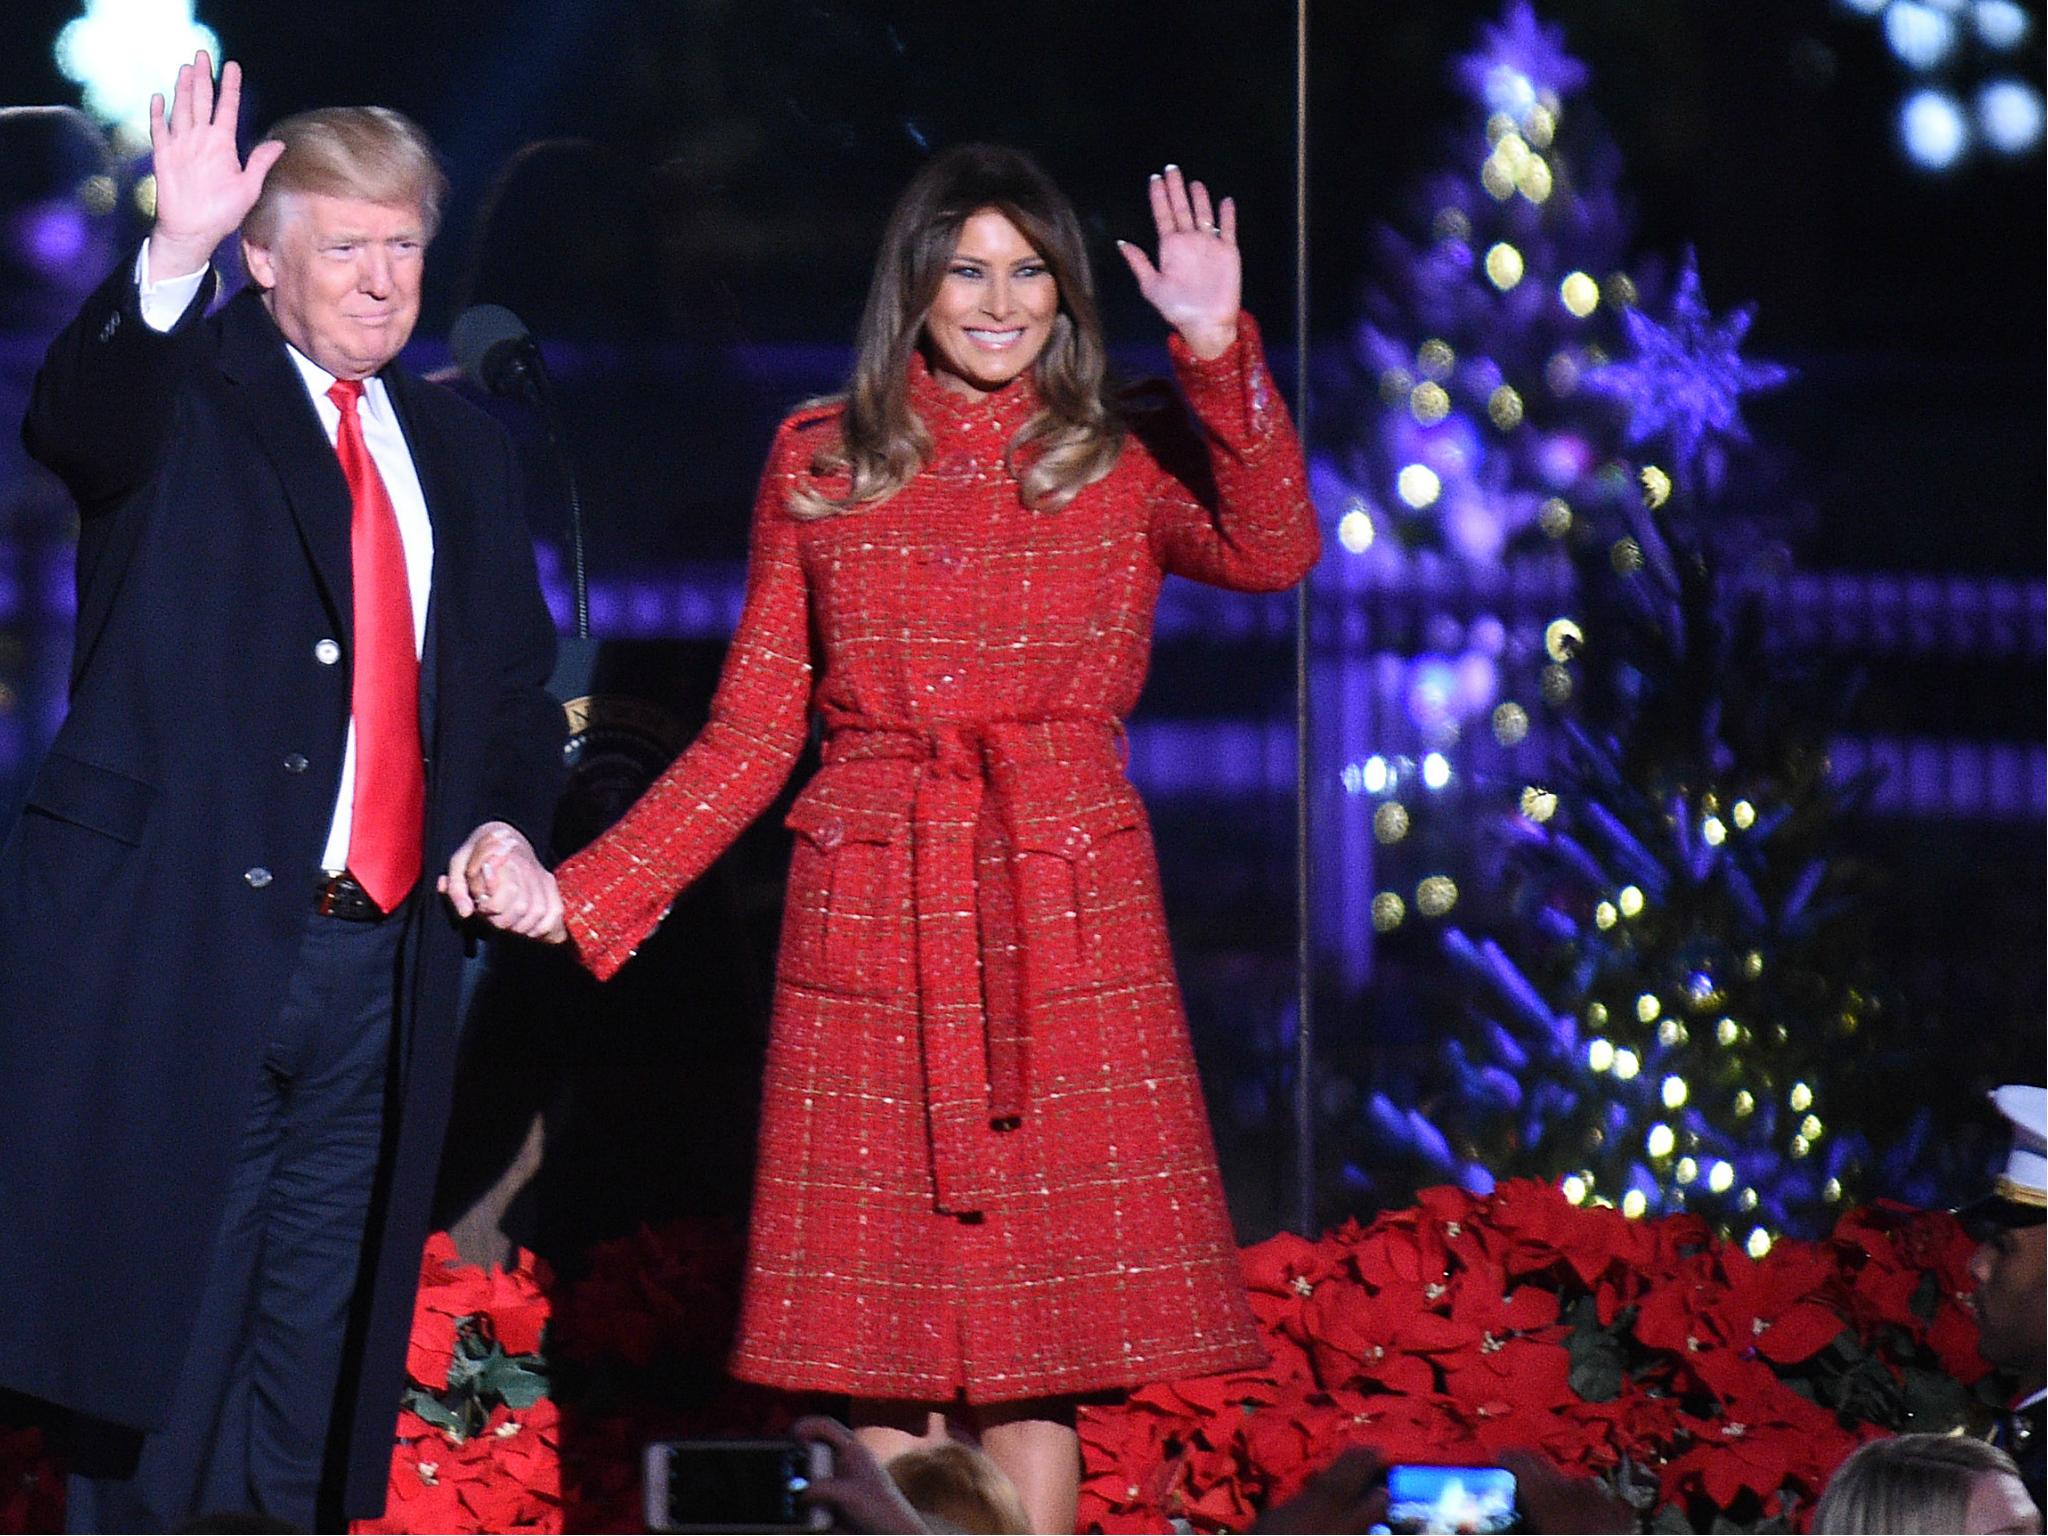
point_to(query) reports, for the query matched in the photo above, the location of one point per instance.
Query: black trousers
(255, 1400)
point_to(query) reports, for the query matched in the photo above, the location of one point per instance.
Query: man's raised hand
(203, 190)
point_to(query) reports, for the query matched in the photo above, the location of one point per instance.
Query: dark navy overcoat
(154, 888)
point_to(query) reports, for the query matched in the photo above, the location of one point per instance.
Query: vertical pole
(1304, 1034)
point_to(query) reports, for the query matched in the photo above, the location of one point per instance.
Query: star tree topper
(1518, 62)
(1687, 378)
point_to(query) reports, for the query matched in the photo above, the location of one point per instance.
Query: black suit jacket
(154, 886)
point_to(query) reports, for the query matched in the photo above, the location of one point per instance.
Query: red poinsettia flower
(1511, 1352)
(1761, 1443)
(1386, 1337)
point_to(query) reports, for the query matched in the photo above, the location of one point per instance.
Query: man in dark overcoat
(308, 677)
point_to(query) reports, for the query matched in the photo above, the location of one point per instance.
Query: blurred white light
(1418, 485)
(1866, 7)
(2009, 116)
(1933, 129)
(1355, 530)
(1721, 1178)
(1919, 34)
(120, 52)
(1436, 770)
(2000, 23)
(1376, 775)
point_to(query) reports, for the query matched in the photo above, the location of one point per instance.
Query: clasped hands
(496, 876)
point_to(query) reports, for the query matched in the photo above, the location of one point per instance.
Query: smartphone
(1432, 1498)
(734, 1485)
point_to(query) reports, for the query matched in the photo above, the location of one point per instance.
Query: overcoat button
(257, 878)
(113, 324)
(326, 652)
(831, 835)
(296, 763)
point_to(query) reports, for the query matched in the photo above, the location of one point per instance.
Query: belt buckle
(339, 896)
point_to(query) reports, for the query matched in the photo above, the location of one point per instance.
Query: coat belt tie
(976, 998)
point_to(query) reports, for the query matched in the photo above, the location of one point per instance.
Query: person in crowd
(957, 1488)
(1914, 1483)
(986, 1184)
(2010, 1267)
(309, 670)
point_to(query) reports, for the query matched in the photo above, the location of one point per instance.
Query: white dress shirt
(162, 303)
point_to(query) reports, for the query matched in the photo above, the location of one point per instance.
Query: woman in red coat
(986, 1183)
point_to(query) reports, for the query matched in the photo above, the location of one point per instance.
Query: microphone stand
(537, 387)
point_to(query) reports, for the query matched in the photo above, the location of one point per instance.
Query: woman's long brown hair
(881, 446)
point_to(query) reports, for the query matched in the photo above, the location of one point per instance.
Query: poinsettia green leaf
(1934, 1401)
(1596, 1365)
(1671, 1521)
(515, 1384)
(1926, 1297)
(435, 1412)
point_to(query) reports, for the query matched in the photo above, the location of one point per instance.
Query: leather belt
(340, 897)
(975, 1002)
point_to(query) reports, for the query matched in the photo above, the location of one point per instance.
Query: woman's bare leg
(1035, 1445)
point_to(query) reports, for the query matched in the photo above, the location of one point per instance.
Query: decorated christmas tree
(1613, 909)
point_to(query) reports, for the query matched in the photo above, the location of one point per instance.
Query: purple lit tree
(1614, 919)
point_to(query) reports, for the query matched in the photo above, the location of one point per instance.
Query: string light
(1563, 639)
(1600, 1054)
(1648, 1006)
(1626, 1064)
(1721, 1177)
(1418, 485)
(1630, 900)
(1436, 895)
(1390, 822)
(1661, 1141)
(1539, 805)
(1579, 294)
(1604, 916)
(1355, 530)
(1634, 1204)
(1430, 403)
(1743, 814)
(1674, 1092)
(1436, 770)
(1503, 266)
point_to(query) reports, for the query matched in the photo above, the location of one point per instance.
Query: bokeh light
(120, 52)
(1933, 129)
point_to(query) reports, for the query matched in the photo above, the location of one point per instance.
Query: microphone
(498, 355)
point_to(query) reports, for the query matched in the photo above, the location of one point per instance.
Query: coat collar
(950, 415)
(272, 397)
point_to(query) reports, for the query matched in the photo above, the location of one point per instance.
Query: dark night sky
(772, 134)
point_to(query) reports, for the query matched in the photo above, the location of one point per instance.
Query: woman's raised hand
(203, 190)
(1198, 279)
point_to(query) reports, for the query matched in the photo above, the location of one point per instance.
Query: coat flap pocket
(1073, 828)
(828, 823)
(87, 795)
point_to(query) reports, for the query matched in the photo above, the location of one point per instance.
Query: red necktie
(388, 812)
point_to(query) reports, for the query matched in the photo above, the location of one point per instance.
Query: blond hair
(881, 444)
(370, 153)
(1907, 1484)
(961, 1488)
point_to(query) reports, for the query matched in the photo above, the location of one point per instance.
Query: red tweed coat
(985, 1170)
